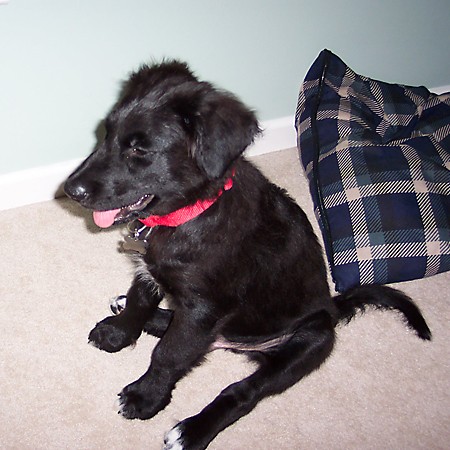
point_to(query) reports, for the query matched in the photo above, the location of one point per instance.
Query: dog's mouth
(105, 219)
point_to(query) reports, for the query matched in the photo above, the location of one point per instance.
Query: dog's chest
(166, 264)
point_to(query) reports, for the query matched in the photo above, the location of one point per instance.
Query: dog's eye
(135, 151)
(134, 145)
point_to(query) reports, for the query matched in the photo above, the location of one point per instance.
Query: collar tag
(137, 239)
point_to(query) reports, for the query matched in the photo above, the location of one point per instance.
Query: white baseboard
(34, 185)
(40, 184)
(278, 134)
(441, 89)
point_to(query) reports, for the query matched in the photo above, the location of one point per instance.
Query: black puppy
(235, 256)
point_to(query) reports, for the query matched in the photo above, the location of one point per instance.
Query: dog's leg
(159, 322)
(278, 370)
(182, 347)
(116, 332)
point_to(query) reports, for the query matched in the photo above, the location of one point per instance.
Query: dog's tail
(381, 297)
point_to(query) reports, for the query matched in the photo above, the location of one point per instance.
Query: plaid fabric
(377, 157)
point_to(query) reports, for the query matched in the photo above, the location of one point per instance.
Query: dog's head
(170, 140)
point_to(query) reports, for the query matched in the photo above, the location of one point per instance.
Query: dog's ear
(224, 128)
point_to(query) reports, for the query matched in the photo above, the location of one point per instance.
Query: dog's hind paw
(190, 434)
(174, 439)
(118, 304)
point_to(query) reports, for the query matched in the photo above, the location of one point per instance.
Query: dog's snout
(75, 191)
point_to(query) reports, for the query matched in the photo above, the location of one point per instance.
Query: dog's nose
(76, 192)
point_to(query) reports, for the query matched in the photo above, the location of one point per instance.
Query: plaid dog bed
(377, 157)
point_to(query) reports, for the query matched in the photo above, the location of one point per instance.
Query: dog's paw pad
(174, 439)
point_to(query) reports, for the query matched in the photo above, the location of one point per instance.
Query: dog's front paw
(111, 336)
(138, 402)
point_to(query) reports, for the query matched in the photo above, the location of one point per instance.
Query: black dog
(234, 255)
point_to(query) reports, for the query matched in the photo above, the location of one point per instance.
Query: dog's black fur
(247, 274)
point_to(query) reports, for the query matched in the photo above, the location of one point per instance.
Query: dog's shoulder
(262, 197)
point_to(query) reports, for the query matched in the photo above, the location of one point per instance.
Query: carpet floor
(382, 388)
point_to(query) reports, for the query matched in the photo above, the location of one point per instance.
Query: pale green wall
(61, 61)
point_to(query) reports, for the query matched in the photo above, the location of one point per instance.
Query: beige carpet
(383, 388)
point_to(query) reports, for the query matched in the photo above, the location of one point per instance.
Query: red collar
(186, 213)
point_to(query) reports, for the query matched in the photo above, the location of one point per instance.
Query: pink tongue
(105, 219)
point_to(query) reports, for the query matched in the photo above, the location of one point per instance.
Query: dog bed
(377, 157)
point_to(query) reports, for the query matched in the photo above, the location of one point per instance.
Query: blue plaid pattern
(377, 156)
